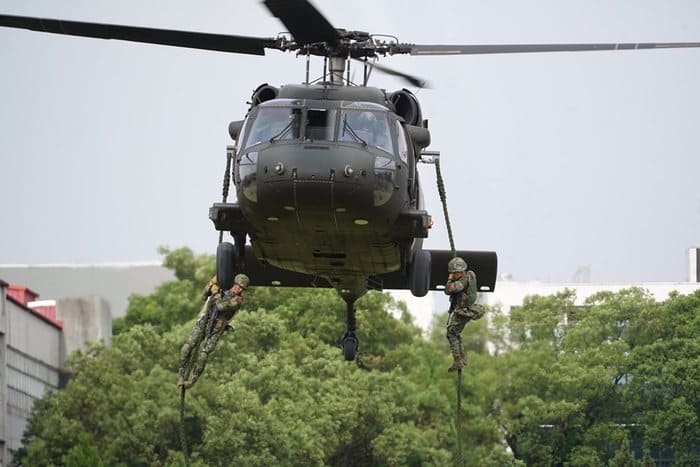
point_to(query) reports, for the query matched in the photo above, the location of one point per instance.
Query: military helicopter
(326, 172)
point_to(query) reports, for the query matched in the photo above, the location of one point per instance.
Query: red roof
(21, 296)
(21, 293)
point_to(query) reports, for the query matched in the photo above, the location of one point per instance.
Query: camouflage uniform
(220, 307)
(461, 287)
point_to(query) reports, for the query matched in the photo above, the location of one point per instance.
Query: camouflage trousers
(455, 325)
(195, 351)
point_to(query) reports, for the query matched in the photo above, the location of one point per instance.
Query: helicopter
(323, 202)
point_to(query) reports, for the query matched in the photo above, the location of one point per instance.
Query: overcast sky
(109, 149)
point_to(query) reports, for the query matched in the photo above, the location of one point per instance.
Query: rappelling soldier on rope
(461, 287)
(219, 308)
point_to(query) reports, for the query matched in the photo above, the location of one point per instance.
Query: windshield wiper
(284, 131)
(346, 126)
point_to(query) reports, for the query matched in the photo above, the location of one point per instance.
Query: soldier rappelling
(461, 287)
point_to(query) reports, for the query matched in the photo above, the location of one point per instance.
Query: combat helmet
(241, 280)
(457, 264)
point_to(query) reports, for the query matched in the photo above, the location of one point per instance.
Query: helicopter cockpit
(365, 123)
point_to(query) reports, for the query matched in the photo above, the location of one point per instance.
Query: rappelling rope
(443, 199)
(183, 439)
(227, 184)
(458, 411)
(224, 196)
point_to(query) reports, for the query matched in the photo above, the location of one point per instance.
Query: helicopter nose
(315, 178)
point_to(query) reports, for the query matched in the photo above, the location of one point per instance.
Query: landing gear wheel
(350, 344)
(224, 265)
(419, 279)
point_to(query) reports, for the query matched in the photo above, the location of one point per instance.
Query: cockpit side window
(274, 124)
(401, 142)
(320, 124)
(366, 127)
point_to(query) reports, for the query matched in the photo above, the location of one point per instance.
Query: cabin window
(319, 125)
(274, 124)
(366, 127)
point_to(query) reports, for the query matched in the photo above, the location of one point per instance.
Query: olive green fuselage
(324, 196)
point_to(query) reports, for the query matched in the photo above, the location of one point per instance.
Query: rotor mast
(337, 70)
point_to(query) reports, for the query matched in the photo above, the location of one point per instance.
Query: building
(35, 338)
(510, 293)
(114, 282)
(29, 362)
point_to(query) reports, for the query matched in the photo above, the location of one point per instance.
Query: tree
(275, 392)
(173, 302)
(566, 385)
(576, 381)
(623, 456)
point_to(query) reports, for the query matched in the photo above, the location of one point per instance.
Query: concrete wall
(85, 319)
(113, 282)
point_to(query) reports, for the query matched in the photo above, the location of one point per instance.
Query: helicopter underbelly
(317, 213)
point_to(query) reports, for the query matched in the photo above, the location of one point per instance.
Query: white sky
(109, 149)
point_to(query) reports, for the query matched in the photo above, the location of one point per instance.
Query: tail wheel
(419, 279)
(224, 265)
(350, 344)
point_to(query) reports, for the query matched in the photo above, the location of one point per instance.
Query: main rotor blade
(193, 40)
(303, 21)
(413, 80)
(459, 49)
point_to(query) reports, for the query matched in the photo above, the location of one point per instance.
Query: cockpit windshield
(274, 124)
(295, 121)
(369, 127)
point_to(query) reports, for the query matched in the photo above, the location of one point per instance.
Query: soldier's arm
(210, 289)
(229, 302)
(454, 287)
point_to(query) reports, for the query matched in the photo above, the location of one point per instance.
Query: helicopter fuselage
(322, 183)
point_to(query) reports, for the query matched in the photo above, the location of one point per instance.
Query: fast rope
(458, 410)
(183, 391)
(443, 199)
(183, 438)
(227, 184)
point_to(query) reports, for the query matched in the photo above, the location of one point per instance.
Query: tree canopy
(548, 383)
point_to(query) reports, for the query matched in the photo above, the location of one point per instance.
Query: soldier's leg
(205, 349)
(192, 342)
(455, 325)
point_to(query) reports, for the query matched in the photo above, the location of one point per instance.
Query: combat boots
(460, 361)
(457, 364)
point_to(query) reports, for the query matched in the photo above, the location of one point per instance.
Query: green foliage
(576, 382)
(275, 392)
(623, 456)
(173, 302)
(83, 454)
(566, 385)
